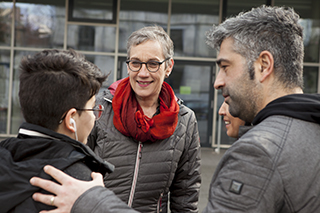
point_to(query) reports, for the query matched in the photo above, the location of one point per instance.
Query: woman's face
(86, 121)
(147, 85)
(232, 123)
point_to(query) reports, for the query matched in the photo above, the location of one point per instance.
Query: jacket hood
(300, 106)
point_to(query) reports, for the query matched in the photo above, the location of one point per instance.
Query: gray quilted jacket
(275, 166)
(146, 172)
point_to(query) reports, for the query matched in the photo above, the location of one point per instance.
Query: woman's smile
(144, 83)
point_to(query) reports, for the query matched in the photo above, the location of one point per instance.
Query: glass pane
(310, 78)
(16, 114)
(137, 14)
(188, 24)
(4, 88)
(191, 83)
(40, 25)
(92, 38)
(5, 22)
(309, 11)
(95, 10)
(123, 72)
(106, 65)
(234, 7)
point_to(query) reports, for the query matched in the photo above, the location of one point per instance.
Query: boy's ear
(69, 121)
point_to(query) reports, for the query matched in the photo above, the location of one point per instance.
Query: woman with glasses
(147, 133)
(57, 98)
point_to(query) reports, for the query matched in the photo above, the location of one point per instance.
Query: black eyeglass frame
(146, 63)
(98, 107)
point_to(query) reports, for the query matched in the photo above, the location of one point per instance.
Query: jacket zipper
(159, 203)
(135, 174)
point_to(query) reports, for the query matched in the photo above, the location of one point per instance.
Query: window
(97, 11)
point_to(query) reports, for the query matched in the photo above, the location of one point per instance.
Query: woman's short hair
(153, 33)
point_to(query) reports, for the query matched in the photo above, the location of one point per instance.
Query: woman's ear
(169, 68)
(266, 65)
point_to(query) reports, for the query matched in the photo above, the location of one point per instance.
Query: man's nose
(219, 82)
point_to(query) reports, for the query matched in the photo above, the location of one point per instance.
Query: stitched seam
(277, 156)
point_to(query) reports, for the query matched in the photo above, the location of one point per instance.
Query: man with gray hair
(274, 166)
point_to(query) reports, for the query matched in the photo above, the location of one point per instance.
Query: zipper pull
(140, 150)
(159, 209)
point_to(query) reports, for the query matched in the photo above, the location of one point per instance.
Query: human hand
(66, 193)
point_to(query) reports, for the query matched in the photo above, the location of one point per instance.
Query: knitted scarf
(130, 120)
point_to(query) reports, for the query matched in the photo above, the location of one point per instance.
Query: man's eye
(223, 67)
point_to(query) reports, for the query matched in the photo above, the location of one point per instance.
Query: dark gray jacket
(146, 172)
(275, 166)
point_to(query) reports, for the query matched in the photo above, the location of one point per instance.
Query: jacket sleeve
(185, 188)
(100, 200)
(245, 181)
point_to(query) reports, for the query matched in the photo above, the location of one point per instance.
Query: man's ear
(69, 124)
(265, 65)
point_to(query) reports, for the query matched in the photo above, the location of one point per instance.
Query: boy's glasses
(97, 111)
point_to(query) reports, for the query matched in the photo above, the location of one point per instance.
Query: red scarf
(130, 120)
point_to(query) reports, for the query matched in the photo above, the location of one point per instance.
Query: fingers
(51, 211)
(97, 178)
(45, 184)
(43, 198)
(57, 174)
(66, 193)
(46, 199)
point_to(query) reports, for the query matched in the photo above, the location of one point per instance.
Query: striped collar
(33, 133)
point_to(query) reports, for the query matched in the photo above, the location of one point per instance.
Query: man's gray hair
(274, 29)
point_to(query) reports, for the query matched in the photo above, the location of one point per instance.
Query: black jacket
(25, 156)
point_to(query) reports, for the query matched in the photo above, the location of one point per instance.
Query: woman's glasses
(152, 66)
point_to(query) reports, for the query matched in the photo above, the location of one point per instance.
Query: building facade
(99, 29)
